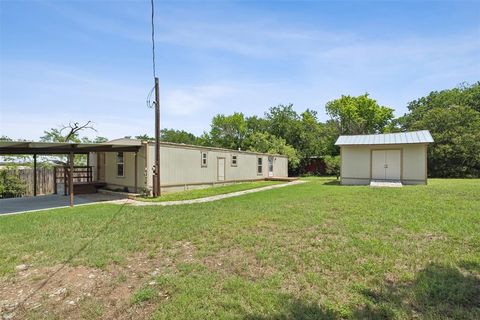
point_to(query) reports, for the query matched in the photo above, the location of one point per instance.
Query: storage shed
(385, 157)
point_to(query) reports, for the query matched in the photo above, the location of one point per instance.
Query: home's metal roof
(423, 136)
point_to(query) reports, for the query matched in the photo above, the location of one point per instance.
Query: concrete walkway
(385, 184)
(42, 203)
(206, 199)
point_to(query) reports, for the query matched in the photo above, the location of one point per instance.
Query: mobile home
(182, 166)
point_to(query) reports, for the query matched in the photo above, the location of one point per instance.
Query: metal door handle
(385, 166)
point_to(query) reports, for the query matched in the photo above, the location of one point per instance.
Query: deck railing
(80, 174)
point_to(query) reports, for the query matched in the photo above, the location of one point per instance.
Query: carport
(64, 148)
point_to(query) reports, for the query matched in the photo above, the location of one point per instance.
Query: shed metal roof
(422, 136)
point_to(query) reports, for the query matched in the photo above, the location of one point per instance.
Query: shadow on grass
(299, 310)
(333, 183)
(437, 292)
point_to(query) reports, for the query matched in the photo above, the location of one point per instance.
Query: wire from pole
(150, 103)
(153, 37)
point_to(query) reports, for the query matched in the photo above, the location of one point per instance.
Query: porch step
(87, 187)
(386, 183)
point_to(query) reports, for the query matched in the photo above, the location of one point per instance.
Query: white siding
(356, 163)
(183, 165)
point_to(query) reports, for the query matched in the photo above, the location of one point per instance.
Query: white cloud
(190, 101)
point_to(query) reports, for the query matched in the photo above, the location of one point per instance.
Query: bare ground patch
(80, 292)
(236, 261)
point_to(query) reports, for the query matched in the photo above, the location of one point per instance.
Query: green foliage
(96, 140)
(456, 131)
(11, 185)
(332, 165)
(463, 95)
(5, 138)
(172, 135)
(284, 122)
(453, 118)
(55, 135)
(145, 137)
(359, 115)
(267, 143)
(178, 136)
(228, 131)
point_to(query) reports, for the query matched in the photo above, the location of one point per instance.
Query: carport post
(34, 175)
(136, 172)
(70, 179)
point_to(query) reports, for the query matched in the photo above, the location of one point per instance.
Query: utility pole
(156, 178)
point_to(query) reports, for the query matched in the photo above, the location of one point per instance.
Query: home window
(234, 160)
(120, 164)
(204, 159)
(259, 165)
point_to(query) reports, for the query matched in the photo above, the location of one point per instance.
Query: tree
(145, 137)
(456, 132)
(359, 115)
(310, 138)
(67, 133)
(228, 131)
(257, 124)
(178, 136)
(267, 143)
(172, 135)
(284, 122)
(463, 95)
(71, 133)
(453, 118)
(10, 184)
(332, 165)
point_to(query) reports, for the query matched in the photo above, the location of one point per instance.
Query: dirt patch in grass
(80, 292)
(236, 261)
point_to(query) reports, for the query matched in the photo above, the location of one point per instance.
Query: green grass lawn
(210, 191)
(308, 251)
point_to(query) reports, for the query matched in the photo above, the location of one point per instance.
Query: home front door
(270, 166)
(221, 169)
(386, 165)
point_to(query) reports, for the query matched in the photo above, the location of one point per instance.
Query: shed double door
(386, 164)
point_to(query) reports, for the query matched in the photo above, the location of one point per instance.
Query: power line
(153, 37)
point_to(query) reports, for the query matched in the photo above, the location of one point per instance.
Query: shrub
(332, 165)
(11, 185)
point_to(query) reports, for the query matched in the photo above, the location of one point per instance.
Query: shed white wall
(356, 163)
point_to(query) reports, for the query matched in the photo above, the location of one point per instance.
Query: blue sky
(64, 61)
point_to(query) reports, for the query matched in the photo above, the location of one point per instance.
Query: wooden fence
(45, 180)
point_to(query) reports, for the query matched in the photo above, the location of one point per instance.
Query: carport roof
(422, 136)
(31, 147)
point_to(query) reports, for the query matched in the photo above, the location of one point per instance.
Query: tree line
(452, 116)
